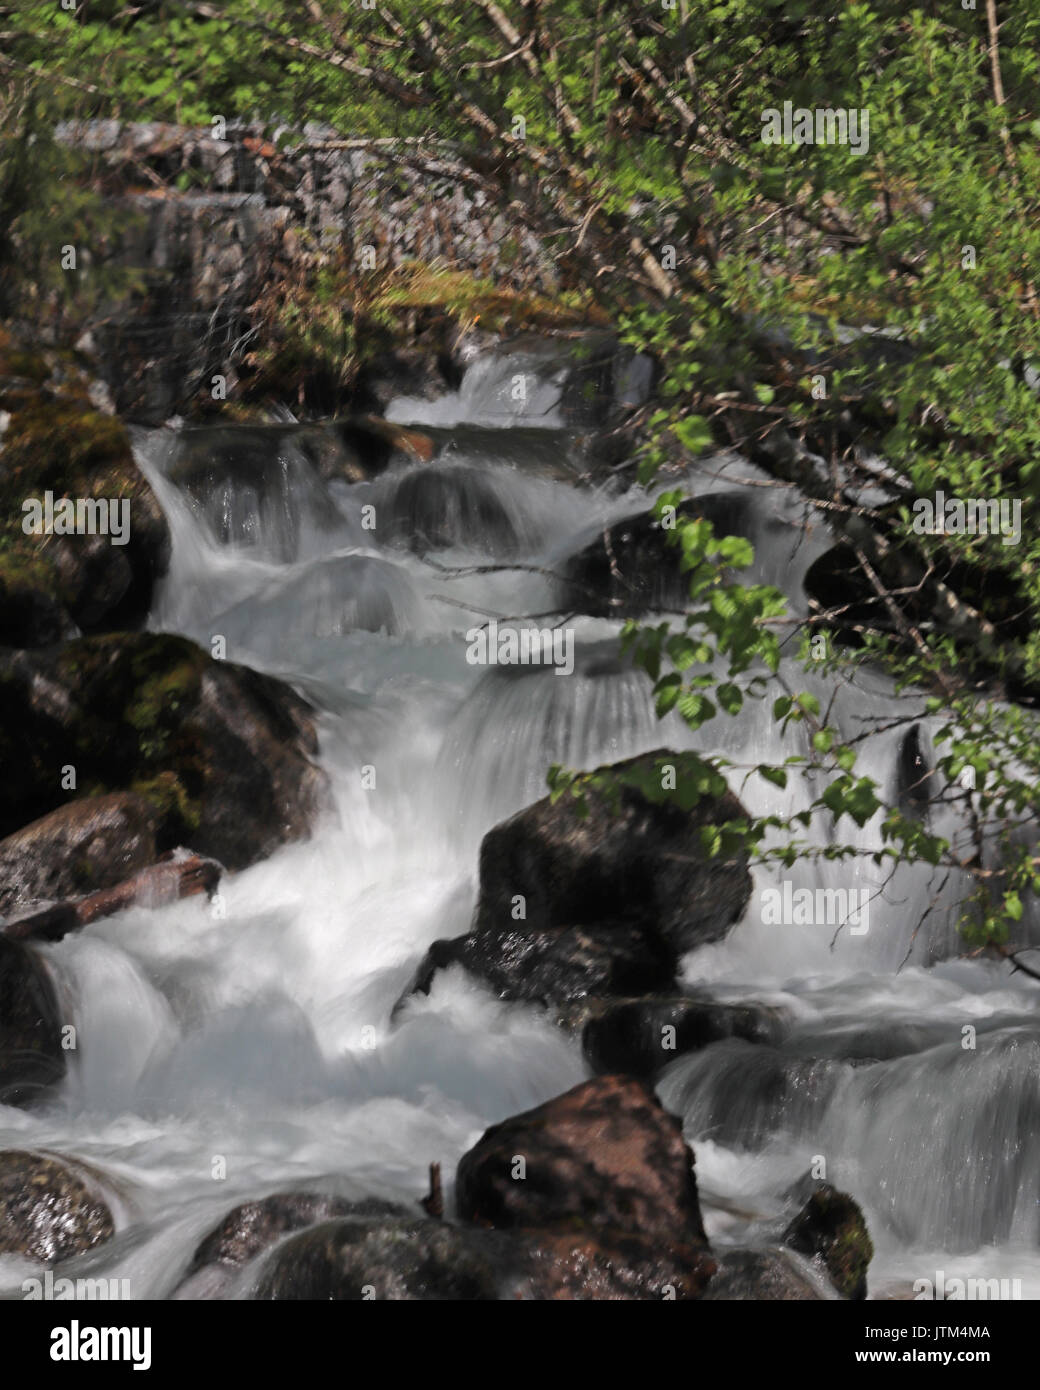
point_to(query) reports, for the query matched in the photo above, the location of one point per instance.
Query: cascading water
(229, 1054)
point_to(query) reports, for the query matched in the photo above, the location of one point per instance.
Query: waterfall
(262, 1036)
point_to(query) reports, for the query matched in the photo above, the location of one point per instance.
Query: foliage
(812, 306)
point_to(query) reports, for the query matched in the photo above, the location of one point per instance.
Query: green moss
(27, 365)
(24, 565)
(849, 1257)
(166, 792)
(61, 447)
(54, 442)
(162, 695)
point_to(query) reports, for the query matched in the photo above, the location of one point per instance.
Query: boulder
(831, 1231)
(252, 1227)
(404, 1258)
(222, 753)
(90, 844)
(413, 1259)
(31, 1056)
(633, 860)
(604, 1155)
(577, 907)
(47, 1211)
(51, 584)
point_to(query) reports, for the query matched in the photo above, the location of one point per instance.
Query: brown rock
(562, 1265)
(89, 844)
(603, 1155)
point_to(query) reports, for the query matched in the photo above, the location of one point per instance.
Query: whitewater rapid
(244, 1046)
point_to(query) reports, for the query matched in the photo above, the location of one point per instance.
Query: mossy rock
(55, 441)
(831, 1230)
(222, 754)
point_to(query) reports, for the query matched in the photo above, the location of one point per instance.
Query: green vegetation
(810, 305)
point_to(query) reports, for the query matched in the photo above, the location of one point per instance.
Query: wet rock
(831, 1230)
(252, 1227)
(52, 584)
(636, 860)
(632, 569)
(604, 1155)
(405, 1259)
(31, 1056)
(576, 908)
(558, 965)
(640, 1036)
(763, 1275)
(221, 752)
(416, 372)
(415, 1259)
(590, 379)
(47, 1211)
(92, 843)
(177, 874)
(561, 1264)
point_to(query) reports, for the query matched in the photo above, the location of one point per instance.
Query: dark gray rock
(556, 965)
(636, 861)
(632, 569)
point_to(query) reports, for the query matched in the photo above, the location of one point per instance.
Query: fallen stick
(433, 1204)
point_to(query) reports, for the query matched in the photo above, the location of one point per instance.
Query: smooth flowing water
(234, 1049)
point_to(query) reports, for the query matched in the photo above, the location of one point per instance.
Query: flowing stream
(246, 1046)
